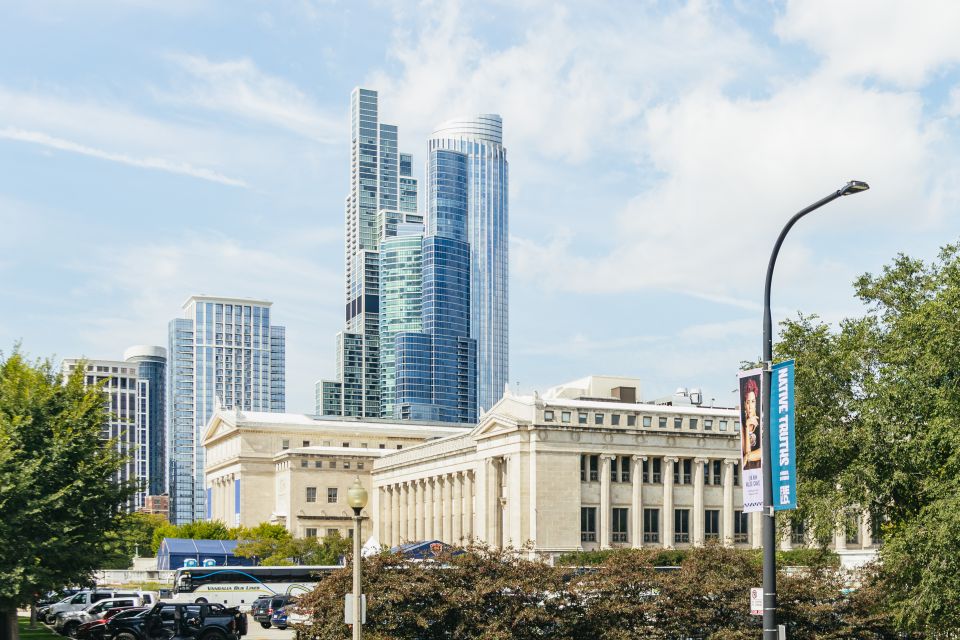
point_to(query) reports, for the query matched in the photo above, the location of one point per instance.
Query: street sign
(348, 608)
(756, 602)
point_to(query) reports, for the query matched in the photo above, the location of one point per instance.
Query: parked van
(87, 597)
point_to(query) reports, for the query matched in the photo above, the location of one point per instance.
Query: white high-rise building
(224, 353)
(127, 427)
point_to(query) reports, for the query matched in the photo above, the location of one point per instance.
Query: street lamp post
(357, 499)
(769, 522)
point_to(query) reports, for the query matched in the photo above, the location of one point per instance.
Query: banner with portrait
(751, 439)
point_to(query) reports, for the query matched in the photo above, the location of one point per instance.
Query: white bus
(240, 586)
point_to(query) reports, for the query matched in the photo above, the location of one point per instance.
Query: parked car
(166, 620)
(264, 607)
(67, 622)
(94, 629)
(86, 597)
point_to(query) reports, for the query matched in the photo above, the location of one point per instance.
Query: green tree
(198, 530)
(277, 547)
(133, 538)
(878, 428)
(58, 491)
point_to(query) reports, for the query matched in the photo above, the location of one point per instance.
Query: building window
(681, 525)
(346, 444)
(681, 471)
(598, 418)
(333, 464)
(594, 468)
(346, 464)
(306, 443)
(311, 494)
(656, 476)
(399, 446)
(625, 469)
(647, 421)
(662, 421)
(332, 495)
(651, 525)
(284, 444)
(614, 476)
(876, 529)
(582, 418)
(693, 423)
(565, 416)
(615, 419)
(707, 424)
(798, 534)
(741, 522)
(631, 421)
(711, 524)
(311, 532)
(718, 472)
(619, 532)
(583, 468)
(359, 465)
(364, 445)
(304, 463)
(736, 474)
(548, 416)
(333, 532)
(588, 524)
(678, 423)
(852, 528)
(645, 471)
(383, 446)
(723, 425)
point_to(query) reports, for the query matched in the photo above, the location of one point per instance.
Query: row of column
(436, 508)
(223, 497)
(666, 527)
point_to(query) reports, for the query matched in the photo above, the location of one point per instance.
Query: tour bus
(240, 586)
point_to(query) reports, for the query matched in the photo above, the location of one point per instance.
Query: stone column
(428, 529)
(447, 500)
(698, 529)
(728, 502)
(412, 511)
(457, 508)
(493, 502)
(636, 501)
(437, 508)
(667, 525)
(866, 530)
(603, 517)
(383, 514)
(404, 513)
(468, 513)
(418, 502)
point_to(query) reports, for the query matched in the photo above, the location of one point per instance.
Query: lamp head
(357, 496)
(855, 186)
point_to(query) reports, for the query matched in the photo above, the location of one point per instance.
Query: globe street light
(769, 523)
(357, 499)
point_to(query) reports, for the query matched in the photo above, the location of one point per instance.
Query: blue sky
(153, 149)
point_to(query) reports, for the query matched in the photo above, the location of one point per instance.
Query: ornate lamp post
(357, 499)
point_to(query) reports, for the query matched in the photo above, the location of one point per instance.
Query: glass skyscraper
(436, 369)
(224, 353)
(480, 138)
(151, 365)
(380, 180)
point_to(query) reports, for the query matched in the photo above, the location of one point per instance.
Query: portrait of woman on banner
(750, 437)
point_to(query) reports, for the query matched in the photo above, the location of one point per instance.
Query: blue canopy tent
(425, 550)
(175, 553)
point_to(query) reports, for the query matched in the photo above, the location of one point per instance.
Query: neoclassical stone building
(294, 469)
(584, 466)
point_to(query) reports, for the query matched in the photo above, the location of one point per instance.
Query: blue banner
(783, 454)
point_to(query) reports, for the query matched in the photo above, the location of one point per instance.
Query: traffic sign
(756, 601)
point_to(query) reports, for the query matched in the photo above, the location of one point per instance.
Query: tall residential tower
(151, 365)
(224, 352)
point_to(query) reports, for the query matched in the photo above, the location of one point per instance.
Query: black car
(167, 620)
(264, 607)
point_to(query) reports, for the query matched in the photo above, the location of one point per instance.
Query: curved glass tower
(480, 139)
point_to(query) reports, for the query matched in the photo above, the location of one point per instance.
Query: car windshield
(80, 598)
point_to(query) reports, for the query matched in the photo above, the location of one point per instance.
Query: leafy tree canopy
(878, 428)
(59, 494)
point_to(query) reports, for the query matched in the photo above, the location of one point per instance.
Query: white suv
(84, 599)
(67, 622)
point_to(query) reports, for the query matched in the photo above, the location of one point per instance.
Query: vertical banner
(783, 455)
(751, 439)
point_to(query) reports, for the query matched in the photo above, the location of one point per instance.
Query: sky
(155, 149)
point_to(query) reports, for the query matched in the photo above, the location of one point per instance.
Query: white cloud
(239, 88)
(160, 164)
(893, 40)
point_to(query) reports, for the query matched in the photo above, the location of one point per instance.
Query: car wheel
(124, 636)
(282, 627)
(50, 618)
(70, 629)
(201, 601)
(213, 635)
(265, 625)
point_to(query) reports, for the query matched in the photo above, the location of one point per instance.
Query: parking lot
(256, 632)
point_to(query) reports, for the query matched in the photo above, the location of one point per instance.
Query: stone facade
(294, 469)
